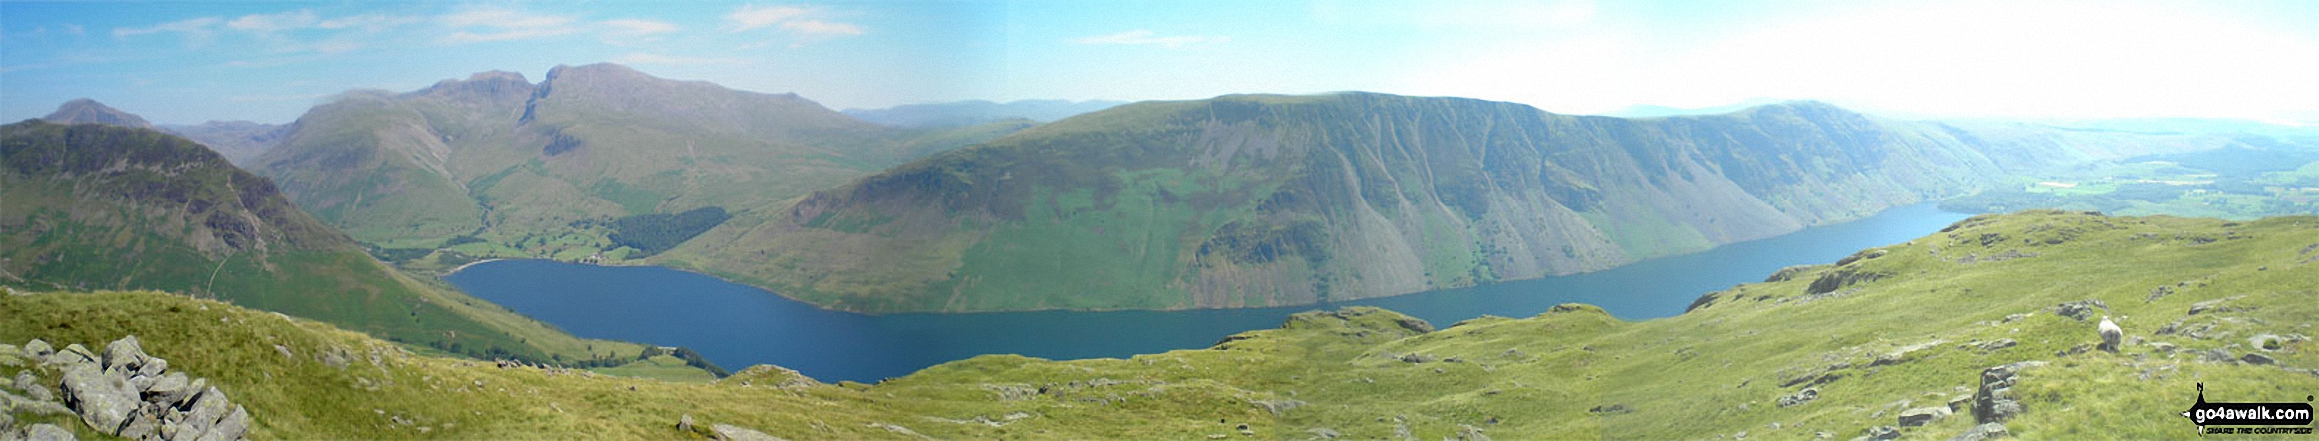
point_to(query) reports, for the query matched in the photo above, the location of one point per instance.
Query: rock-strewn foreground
(120, 392)
(1980, 331)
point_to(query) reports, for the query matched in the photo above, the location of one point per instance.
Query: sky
(183, 62)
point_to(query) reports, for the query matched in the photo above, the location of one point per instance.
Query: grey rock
(154, 366)
(71, 355)
(230, 428)
(684, 424)
(1922, 416)
(206, 410)
(2254, 358)
(1278, 407)
(143, 424)
(1471, 433)
(735, 433)
(103, 401)
(2080, 310)
(1993, 402)
(169, 389)
(124, 355)
(1999, 344)
(38, 349)
(1800, 397)
(1879, 433)
(35, 406)
(47, 432)
(25, 381)
(1985, 431)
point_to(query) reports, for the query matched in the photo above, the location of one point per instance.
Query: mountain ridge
(1270, 200)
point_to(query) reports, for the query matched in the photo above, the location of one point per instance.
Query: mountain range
(1266, 200)
(1235, 201)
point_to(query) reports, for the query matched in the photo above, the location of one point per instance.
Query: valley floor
(1897, 340)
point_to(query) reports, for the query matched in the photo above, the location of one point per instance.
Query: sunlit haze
(268, 62)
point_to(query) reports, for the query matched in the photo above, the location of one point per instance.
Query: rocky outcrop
(1985, 431)
(127, 393)
(1994, 401)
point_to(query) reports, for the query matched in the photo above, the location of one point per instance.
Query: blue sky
(187, 62)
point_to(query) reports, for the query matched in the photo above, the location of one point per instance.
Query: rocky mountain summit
(121, 392)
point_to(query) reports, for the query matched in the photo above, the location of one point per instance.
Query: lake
(737, 326)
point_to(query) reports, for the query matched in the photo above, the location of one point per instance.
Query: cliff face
(1270, 200)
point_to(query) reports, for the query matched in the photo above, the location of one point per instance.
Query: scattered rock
(1922, 415)
(1994, 401)
(1985, 431)
(684, 424)
(2080, 310)
(130, 394)
(1999, 344)
(1879, 433)
(889, 428)
(47, 432)
(2254, 358)
(103, 401)
(1471, 433)
(1800, 397)
(1610, 409)
(2216, 305)
(1324, 433)
(737, 433)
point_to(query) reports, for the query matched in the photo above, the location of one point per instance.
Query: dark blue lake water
(737, 325)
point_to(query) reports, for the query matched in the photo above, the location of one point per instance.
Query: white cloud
(630, 27)
(197, 31)
(1146, 37)
(75, 29)
(276, 22)
(751, 16)
(650, 58)
(499, 24)
(805, 23)
(367, 22)
(1466, 14)
(821, 28)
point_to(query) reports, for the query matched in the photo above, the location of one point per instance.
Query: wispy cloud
(805, 23)
(630, 27)
(197, 31)
(499, 24)
(276, 22)
(650, 58)
(821, 28)
(1147, 37)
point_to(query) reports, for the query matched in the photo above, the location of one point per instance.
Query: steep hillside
(90, 207)
(1987, 326)
(495, 165)
(1285, 200)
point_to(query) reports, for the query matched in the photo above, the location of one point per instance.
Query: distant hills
(1264, 200)
(495, 165)
(974, 112)
(239, 141)
(107, 207)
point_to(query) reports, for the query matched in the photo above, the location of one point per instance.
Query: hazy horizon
(184, 63)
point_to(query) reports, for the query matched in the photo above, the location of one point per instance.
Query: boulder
(1994, 401)
(47, 432)
(38, 349)
(1922, 416)
(2254, 358)
(207, 409)
(684, 424)
(25, 381)
(124, 356)
(1800, 397)
(2080, 310)
(1985, 431)
(169, 389)
(71, 355)
(103, 401)
(143, 424)
(736, 433)
(230, 428)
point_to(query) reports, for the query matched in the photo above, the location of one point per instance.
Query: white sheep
(2110, 334)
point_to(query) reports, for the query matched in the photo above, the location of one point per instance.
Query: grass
(1572, 373)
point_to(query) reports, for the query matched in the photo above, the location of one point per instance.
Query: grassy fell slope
(1918, 334)
(99, 207)
(1262, 200)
